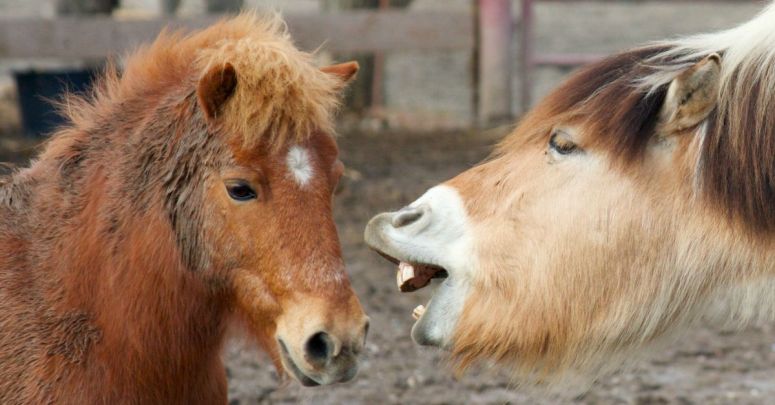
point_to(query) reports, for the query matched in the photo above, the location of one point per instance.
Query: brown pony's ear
(344, 71)
(692, 95)
(215, 87)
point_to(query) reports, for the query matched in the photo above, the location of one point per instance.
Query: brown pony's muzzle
(316, 335)
(320, 342)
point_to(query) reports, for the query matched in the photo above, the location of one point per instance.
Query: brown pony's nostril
(319, 349)
(406, 216)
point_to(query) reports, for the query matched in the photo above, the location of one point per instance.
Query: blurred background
(441, 82)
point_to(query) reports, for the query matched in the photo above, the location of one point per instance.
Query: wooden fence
(487, 31)
(354, 31)
(531, 60)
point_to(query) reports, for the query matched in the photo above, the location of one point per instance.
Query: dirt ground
(387, 170)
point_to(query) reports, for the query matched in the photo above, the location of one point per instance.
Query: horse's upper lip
(386, 256)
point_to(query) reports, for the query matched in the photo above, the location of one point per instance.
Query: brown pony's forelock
(280, 95)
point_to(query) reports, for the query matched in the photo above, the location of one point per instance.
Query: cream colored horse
(636, 199)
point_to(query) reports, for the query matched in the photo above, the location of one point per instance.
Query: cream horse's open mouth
(428, 240)
(414, 276)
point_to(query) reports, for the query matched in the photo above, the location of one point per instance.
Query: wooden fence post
(495, 56)
(526, 59)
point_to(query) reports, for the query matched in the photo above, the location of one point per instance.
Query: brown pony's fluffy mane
(280, 95)
(145, 122)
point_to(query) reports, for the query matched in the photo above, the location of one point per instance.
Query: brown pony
(189, 192)
(635, 200)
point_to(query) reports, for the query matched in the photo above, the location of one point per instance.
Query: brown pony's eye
(560, 143)
(240, 190)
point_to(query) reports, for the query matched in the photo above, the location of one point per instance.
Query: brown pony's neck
(111, 255)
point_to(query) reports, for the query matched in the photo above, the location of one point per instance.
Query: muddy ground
(707, 366)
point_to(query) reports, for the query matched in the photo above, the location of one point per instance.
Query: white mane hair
(750, 46)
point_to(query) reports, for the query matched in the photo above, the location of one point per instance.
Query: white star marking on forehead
(299, 165)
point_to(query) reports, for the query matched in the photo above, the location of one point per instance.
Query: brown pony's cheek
(217, 217)
(234, 239)
(254, 296)
(258, 308)
(248, 243)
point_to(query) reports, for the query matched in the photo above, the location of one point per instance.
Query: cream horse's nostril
(407, 216)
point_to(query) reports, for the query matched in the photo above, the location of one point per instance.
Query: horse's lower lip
(420, 330)
(291, 366)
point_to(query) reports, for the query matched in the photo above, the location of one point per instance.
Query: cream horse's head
(627, 205)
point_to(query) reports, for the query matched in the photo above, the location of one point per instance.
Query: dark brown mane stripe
(620, 116)
(603, 96)
(737, 157)
(738, 152)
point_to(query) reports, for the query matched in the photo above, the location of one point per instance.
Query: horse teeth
(405, 273)
(418, 312)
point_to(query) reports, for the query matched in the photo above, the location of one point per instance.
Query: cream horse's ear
(692, 95)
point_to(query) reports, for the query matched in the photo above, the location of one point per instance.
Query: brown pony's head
(272, 233)
(267, 225)
(622, 208)
(232, 127)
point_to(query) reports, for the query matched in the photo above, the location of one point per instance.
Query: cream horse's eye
(561, 143)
